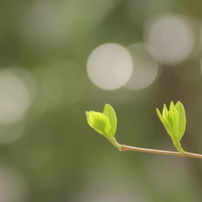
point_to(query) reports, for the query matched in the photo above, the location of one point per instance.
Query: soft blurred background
(60, 58)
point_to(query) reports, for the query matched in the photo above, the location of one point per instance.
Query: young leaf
(174, 121)
(104, 123)
(165, 123)
(182, 119)
(99, 122)
(110, 113)
(165, 111)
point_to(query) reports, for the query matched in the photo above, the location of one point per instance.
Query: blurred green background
(60, 58)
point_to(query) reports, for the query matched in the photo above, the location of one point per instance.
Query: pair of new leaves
(104, 123)
(173, 119)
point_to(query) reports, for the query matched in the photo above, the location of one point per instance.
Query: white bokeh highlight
(109, 66)
(172, 35)
(15, 98)
(13, 187)
(145, 67)
(45, 23)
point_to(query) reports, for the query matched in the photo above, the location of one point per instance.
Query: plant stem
(115, 143)
(186, 154)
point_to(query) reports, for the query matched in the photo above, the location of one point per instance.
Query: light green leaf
(104, 123)
(182, 119)
(165, 123)
(110, 113)
(174, 121)
(99, 122)
(171, 114)
(165, 112)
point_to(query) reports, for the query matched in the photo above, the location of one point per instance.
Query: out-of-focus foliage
(60, 58)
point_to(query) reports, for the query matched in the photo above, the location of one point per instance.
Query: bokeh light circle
(109, 66)
(145, 67)
(15, 96)
(13, 186)
(45, 23)
(172, 36)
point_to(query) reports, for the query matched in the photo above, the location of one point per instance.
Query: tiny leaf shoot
(104, 123)
(174, 121)
(111, 115)
(99, 122)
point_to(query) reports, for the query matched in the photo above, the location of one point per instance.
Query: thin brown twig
(139, 149)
